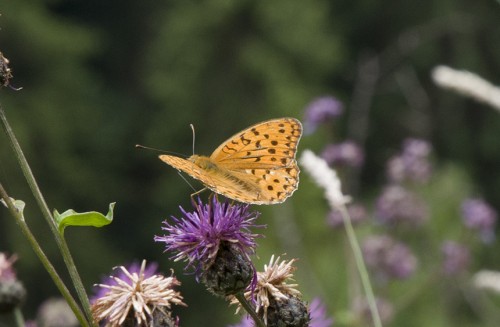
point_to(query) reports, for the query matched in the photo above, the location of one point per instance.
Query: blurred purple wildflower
(319, 111)
(197, 236)
(384, 307)
(398, 205)
(412, 164)
(456, 258)
(479, 215)
(388, 258)
(317, 311)
(346, 153)
(7, 272)
(356, 211)
(246, 321)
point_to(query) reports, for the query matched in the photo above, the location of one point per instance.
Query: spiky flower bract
(137, 300)
(216, 242)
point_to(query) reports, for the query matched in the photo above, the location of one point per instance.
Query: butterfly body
(256, 165)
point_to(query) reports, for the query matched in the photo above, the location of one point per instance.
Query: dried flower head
(136, 298)
(488, 280)
(274, 298)
(325, 177)
(467, 84)
(198, 235)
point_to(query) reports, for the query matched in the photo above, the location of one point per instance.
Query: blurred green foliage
(99, 77)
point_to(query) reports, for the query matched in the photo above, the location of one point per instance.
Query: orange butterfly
(256, 165)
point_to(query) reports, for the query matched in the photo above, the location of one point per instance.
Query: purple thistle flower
(479, 215)
(412, 164)
(346, 153)
(388, 258)
(197, 236)
(317, 311)
(456, 258)
(246, 321)
(320, 111)
(398, 205)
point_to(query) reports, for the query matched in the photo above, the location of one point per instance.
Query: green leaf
(92, 218)
(18, 204)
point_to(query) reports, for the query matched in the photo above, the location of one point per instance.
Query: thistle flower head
(272, 289)
(135, 298)
(197, 236)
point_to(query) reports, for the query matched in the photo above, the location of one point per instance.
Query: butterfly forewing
(270, 144)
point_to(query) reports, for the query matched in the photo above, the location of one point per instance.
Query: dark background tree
(100, 76)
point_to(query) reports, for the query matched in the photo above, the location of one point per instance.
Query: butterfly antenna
(148, 148)
(194, 135)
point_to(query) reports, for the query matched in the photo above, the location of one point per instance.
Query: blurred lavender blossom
(347, 153)
(412, 164)
(398, 205)
(320, 111)
(388, 258)
(456, 258)
(479, 215)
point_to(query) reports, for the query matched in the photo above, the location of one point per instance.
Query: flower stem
(43, 258)
(251, 311)
(18, 317)
(363, 272)
(63, 247)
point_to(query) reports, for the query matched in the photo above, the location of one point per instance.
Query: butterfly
(256, 165)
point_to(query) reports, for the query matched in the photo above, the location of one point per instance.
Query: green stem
(363, 272)
(43, 258)
(18, 317)
(251, 310)
(63, 247)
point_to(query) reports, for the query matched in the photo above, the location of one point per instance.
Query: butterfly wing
(246, 190)
(268, 145)
(264, 153)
